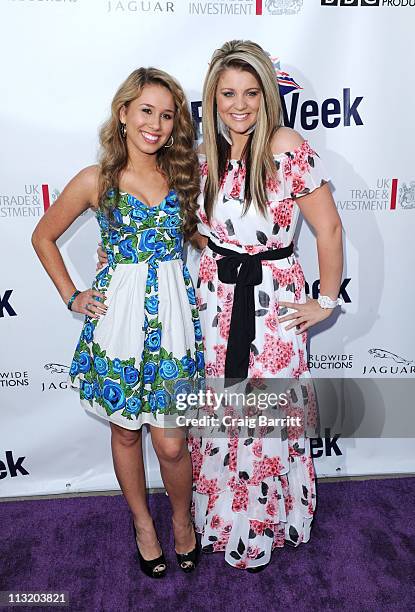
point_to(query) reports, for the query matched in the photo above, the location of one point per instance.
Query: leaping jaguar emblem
(382, 354)
(57, 368)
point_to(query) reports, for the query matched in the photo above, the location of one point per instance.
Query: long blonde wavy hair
(178, 163)
(248, 56)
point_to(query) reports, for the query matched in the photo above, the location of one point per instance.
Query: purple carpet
(361, 556)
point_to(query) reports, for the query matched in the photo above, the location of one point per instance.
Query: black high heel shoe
(258, 568)
(188, 561)
(153, 568)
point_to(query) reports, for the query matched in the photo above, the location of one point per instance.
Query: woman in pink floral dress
(254, 493)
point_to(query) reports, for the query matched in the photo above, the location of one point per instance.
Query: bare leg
(176, 471)
(127, 456)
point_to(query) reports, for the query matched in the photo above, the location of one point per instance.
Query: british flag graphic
(285, 82)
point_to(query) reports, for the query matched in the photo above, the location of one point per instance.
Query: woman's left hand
(305, 315)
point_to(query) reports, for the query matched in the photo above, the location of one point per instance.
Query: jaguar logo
(382, 354)
(57, 368)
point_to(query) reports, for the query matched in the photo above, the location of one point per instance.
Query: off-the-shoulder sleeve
(300, 171)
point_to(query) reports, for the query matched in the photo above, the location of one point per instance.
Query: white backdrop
(61, 64)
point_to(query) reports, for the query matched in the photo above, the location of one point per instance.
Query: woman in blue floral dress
(141, 343)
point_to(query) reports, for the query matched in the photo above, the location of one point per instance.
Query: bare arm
(319, 209)
(76, 198)
(321, 213)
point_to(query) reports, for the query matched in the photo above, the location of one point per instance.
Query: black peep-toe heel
(188, 561)
(153, 568)
(257, 569)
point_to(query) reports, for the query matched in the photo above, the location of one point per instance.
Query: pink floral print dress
(253, 494)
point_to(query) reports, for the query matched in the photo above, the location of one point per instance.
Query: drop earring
(167, 146)
(223, 129)
(123, 130)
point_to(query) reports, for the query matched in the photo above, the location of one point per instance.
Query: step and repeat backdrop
(345, 76)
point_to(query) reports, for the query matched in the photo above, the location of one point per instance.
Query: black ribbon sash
(244, 271)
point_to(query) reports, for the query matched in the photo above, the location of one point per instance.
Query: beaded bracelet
(72, 299)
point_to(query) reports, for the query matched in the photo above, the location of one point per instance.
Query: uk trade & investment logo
(32, 201)
(140, 6)
(279, 7)
(407, 195)
(386, 362)
(55, 370)
(377, 3)
(245, 7)
(387, 194)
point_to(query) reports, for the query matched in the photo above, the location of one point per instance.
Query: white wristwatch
(326, 302)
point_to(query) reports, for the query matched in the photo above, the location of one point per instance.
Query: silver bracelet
(326, 302)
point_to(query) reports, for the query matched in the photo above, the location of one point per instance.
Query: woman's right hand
(102, 257)
(86, 303)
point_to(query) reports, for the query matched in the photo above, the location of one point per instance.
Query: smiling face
(238, 97)
(149, 119)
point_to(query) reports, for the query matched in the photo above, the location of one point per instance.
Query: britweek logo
(5, 306)
(377, 3)
(387, 194)
(32, 201)
(11, 467)
(388, 363)
(329, 447)
(140, 6)
(55, 369)
(331, 112)
(315, 290)
(245, 7)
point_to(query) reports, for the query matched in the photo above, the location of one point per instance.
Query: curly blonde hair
(178, 163)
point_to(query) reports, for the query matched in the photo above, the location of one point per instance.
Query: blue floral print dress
(130, 364)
